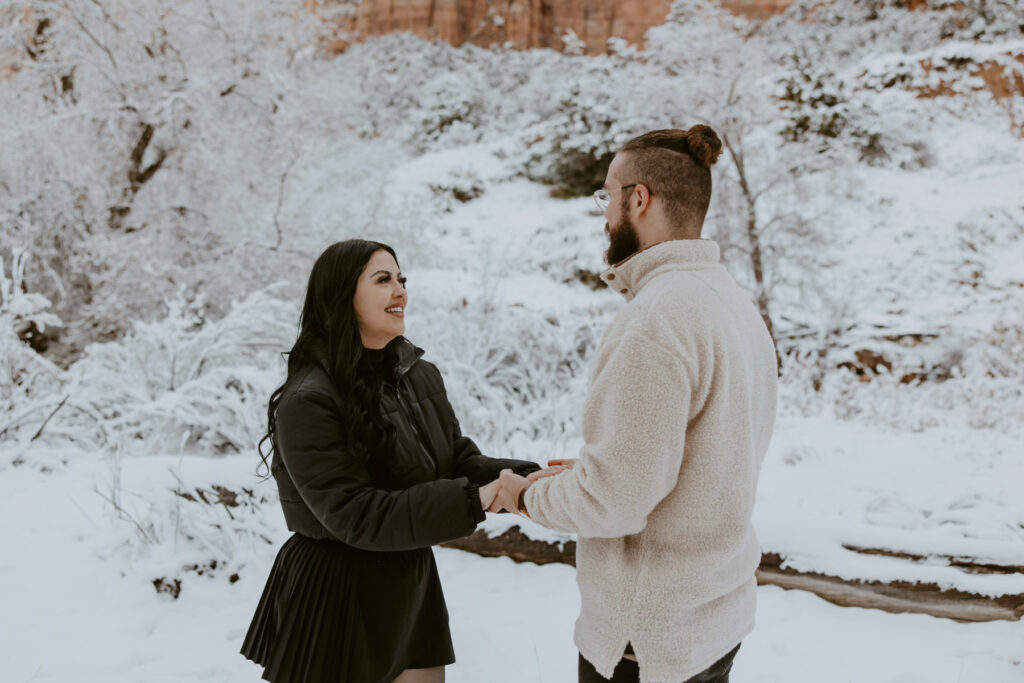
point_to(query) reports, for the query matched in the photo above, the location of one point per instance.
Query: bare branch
(280, 201)
(49, 417)
(125, 515)
(116, 82)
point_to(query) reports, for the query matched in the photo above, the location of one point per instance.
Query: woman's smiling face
(380, 301)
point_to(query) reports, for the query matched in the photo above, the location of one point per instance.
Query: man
(676, 423)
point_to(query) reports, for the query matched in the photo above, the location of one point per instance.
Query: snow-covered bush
(510, 371)
(25, 314)
(192, 519)
(914, 384)
(418, 92)
(460, 186)
(143, 141)
(848, 30)
(27, 379)
(816, 102)
(184, 383)
(572, 148)
(980, 19)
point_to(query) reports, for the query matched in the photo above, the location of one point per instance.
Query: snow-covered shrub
(596, 105)
(980, 20)
(184, 383)
(24, 313)
(847, 30)
(556, 110)
(965, 401)
(143, 141)
(510, 371)
(27, 380)
(187, 519)
(51, 219)
(574, 146)
(419, 92)
(816, 101)
(958, 382)
(458, 185)
(452, 111)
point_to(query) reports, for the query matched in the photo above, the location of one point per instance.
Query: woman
(372, 470)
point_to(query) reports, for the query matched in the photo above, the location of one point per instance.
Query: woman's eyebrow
(381, 272)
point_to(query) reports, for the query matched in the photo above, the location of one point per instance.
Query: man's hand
(511, 485)
(567, 463)
(546, 472)
(503, 492)
(494, 497)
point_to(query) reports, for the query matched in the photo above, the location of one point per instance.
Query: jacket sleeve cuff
(526, 468)
(473, 500)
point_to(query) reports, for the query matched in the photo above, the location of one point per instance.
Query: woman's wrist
(488, 492)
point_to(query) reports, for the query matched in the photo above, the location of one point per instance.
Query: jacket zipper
(407, 411)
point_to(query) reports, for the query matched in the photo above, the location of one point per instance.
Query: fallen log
(897, 596)
(517, 545)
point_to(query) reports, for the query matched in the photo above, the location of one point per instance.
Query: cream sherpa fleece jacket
(676, 422)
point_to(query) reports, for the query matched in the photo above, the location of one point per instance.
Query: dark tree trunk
(754, 242)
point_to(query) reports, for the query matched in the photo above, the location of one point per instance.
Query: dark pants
(628, 671)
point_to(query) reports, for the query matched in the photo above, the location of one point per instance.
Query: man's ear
(641, 198)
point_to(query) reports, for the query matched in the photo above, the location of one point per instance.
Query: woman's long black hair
(328, 330)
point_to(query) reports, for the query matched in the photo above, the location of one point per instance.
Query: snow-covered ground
(79, 604)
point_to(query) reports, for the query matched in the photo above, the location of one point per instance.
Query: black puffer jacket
(423, 493)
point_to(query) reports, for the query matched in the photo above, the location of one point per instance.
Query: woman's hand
(488, 493)
(554, 467)
(546, 472)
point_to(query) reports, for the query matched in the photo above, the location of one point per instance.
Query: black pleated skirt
(333, 613)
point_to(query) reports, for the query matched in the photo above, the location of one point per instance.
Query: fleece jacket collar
(629, 276)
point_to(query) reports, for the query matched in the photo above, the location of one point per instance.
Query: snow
(79, 603)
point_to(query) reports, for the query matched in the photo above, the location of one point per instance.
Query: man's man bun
(703, 145)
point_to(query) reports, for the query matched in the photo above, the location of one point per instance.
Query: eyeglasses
(602, 197)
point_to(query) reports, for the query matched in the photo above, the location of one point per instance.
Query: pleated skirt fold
(332, 613)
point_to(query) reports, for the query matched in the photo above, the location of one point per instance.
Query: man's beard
(623, 241)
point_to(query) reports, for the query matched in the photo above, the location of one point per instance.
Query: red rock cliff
(521, 23)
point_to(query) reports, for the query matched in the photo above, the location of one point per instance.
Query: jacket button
(623, 291)
(611, 276)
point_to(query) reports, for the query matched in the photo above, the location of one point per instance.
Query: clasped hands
(503, 493)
